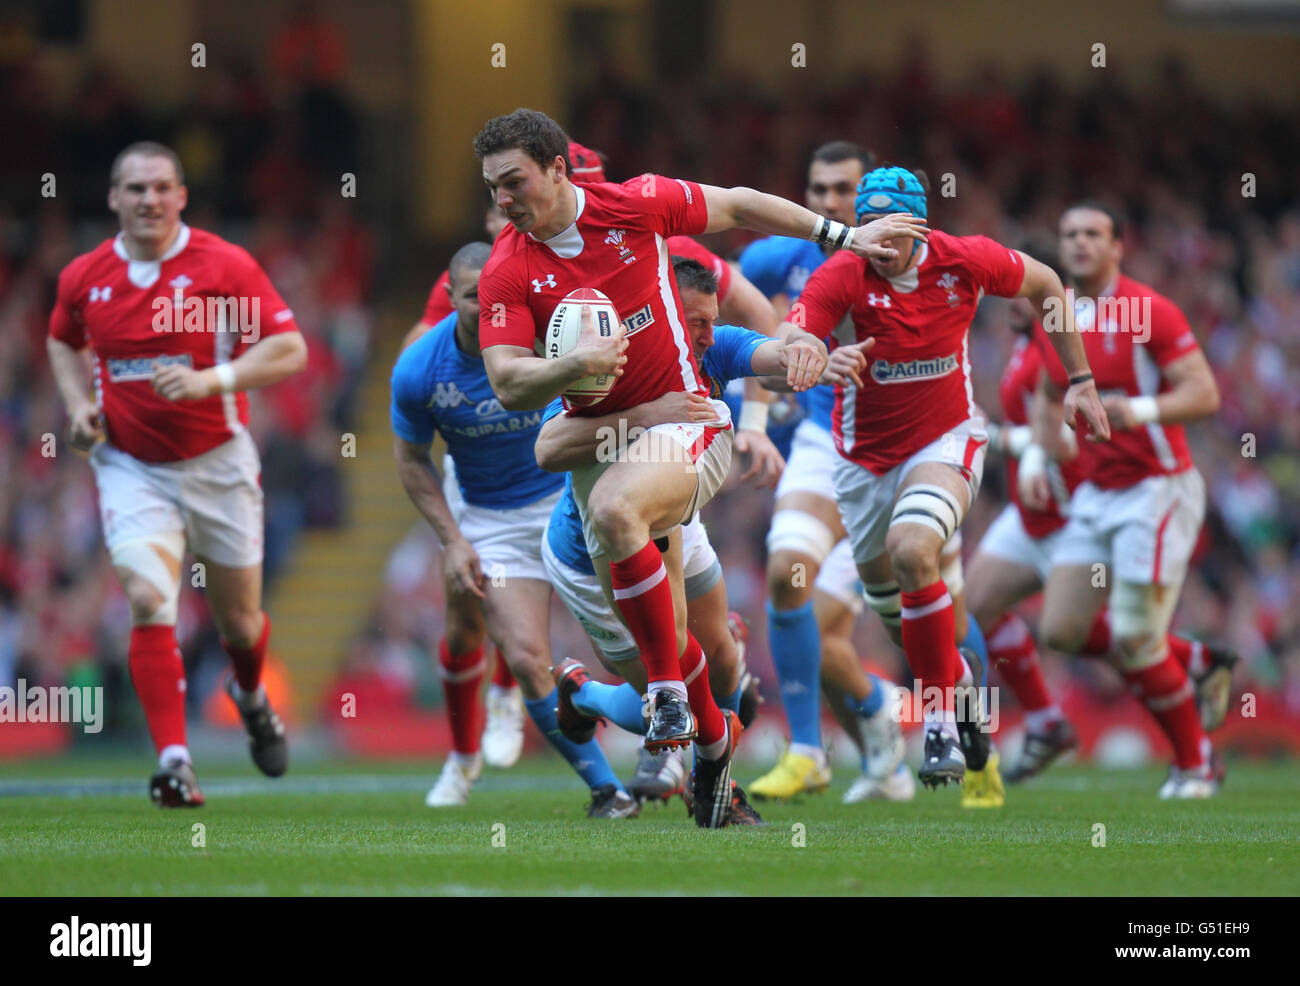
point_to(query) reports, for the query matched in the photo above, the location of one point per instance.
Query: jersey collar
(145, 273)
(910, 278)
(567, 244)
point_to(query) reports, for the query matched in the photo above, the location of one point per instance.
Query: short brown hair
(534, 133)
(147, 148)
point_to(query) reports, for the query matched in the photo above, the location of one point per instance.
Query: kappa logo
(101, 294)
(948, 282)
(539, 284)
(879, 300)
(615, 239)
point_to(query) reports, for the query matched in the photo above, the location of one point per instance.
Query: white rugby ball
(562, 335)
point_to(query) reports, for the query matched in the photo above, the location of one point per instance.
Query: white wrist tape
(225, 376)
(1145, 409)
(1033, 463)
(1015, 440)
(826, 231)
(753, 416)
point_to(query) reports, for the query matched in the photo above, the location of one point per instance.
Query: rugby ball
(562, 335)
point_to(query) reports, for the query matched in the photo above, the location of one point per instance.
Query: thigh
(221, 501)
(136, 501)
(1072, 599)
(996, 585)
(232, 592)
(518, 617)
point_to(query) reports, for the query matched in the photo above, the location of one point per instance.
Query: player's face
(902, 245)
(147, 198)
(701, 312)
(525, 191)
(464, 298)
(832, 189)
(1088, 246)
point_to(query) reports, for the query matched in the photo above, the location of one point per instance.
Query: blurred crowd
(261, 145)
(1213, 205)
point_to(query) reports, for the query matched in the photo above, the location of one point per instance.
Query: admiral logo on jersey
(883, 371)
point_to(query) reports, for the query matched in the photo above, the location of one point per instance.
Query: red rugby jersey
(1130, 335)
(917, 384)
(203, 303)
(617, 245)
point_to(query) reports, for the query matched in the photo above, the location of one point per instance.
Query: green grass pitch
(87, 828)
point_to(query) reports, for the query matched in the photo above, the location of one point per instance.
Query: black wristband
(1080, 378)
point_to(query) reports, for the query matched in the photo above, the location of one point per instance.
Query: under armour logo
(101, 294)
(548, 283)
(879, 300)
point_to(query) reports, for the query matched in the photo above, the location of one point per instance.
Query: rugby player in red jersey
(910, 437)
(179, 324)
(1013, 561)
(1138, 512)
(612, 238)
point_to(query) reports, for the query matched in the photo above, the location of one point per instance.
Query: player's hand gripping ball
(587, 324)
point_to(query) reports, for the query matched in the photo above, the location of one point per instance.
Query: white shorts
(700, 565)
(1007, 539)
(214, 499)
(866, 500)
(450, 485)
(508, 542)
(711, 462)
(585, 599)
(811, 464)
(838, 577)
(1146, 532)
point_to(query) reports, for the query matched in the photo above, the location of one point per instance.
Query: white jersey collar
(568, 244)
(909, 279)
(145, 273)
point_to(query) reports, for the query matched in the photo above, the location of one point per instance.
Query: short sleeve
(66, 323)
(252, 282)
(504, 319)
(759, 265)
(671, 206)
(552, 410)
(827, 297)
(1171, 336)
(998, 270)
(732, 354)
(439, 304)
(409, 413)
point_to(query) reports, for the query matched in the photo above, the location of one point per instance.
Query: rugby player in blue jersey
(492, 540)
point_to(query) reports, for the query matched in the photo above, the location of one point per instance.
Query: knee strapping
(887, 600)
(930, 506)
(144, 558)
(794, 530)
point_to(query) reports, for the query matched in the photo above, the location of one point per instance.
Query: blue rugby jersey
(438, 388)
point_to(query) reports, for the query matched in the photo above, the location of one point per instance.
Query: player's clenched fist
(180, 383)
(874, 239)
(462, 569)
(804, 358)
(597, 354)
(847, 363)
(85, 427)
(1082, 398)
